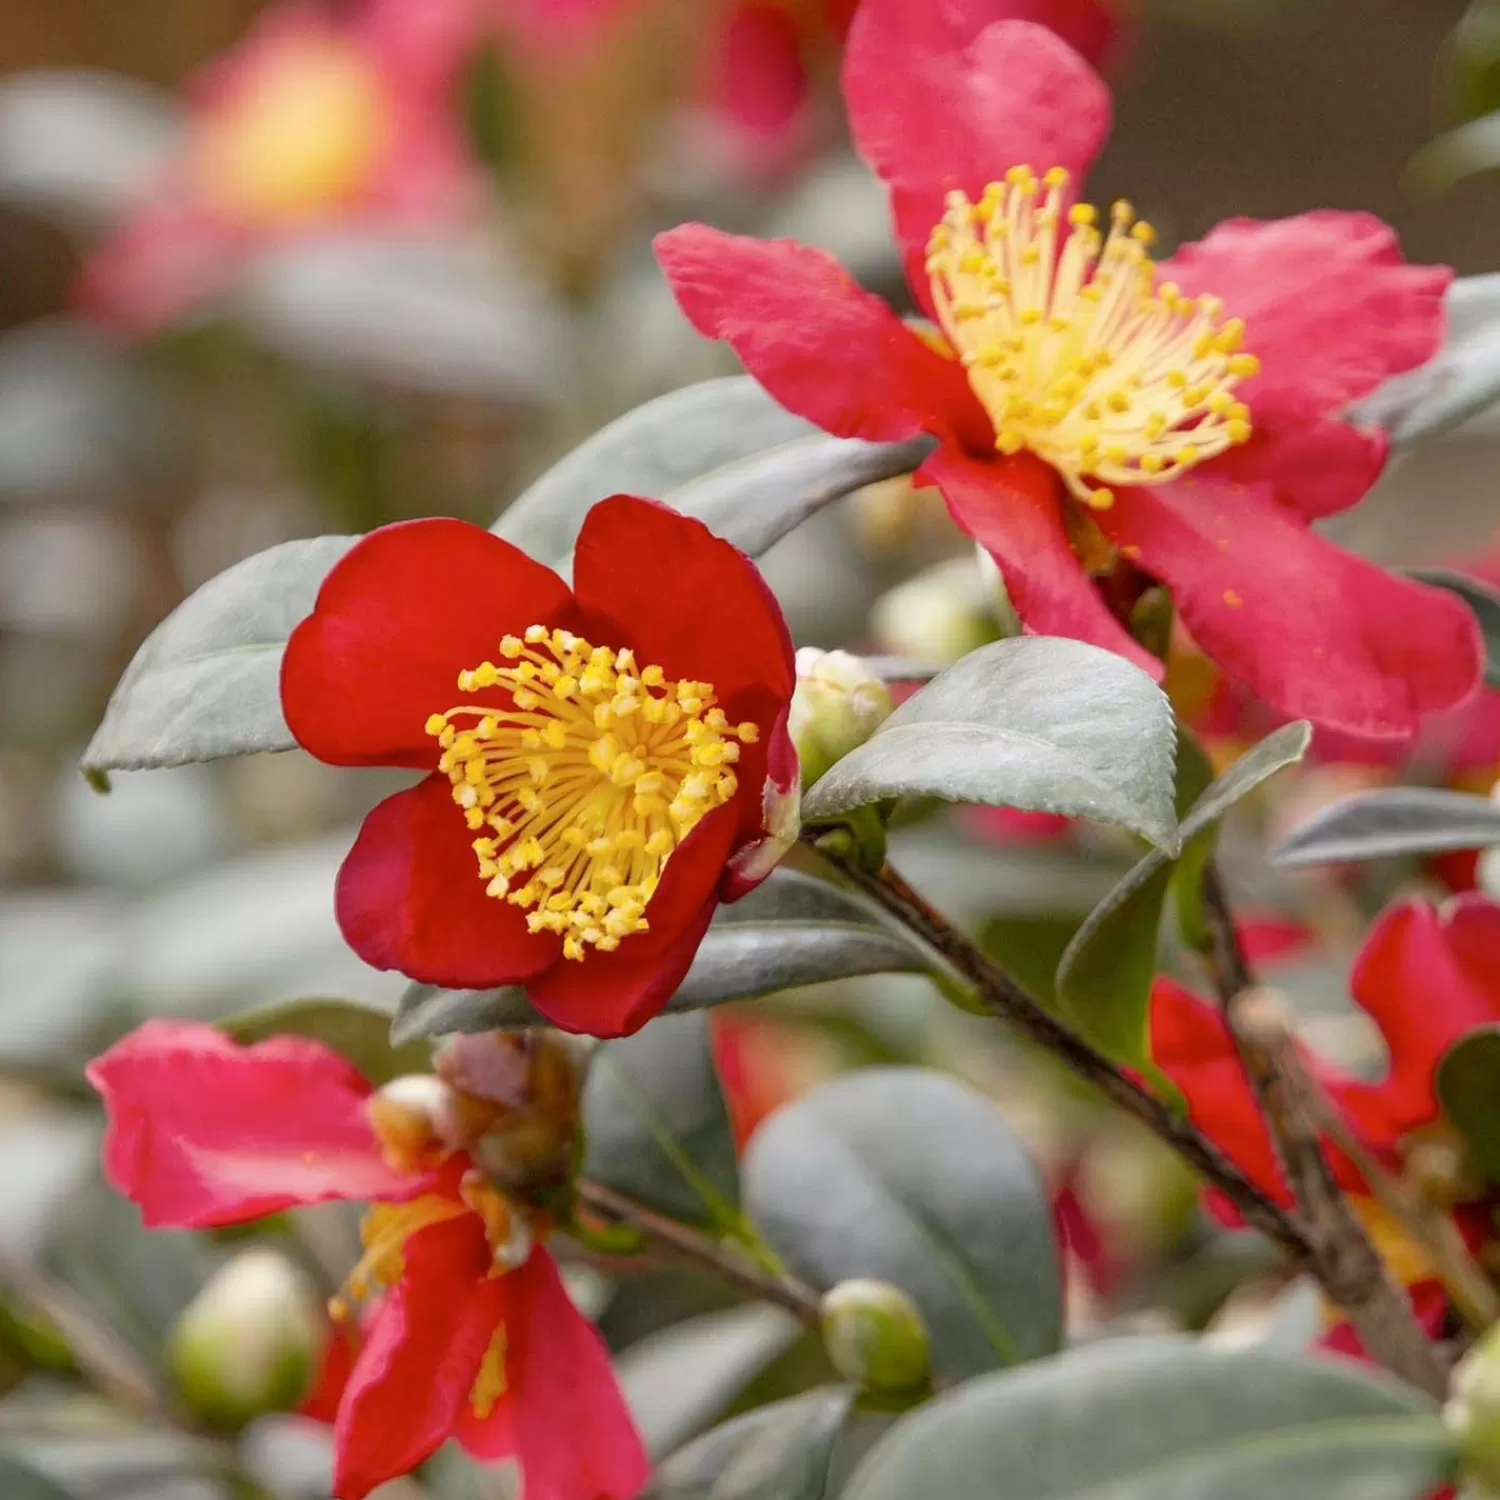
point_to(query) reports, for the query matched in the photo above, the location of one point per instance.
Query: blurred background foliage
(427, 352)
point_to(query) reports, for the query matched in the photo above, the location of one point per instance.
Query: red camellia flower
(473, 1336)
(607, 762)
(1098, 415)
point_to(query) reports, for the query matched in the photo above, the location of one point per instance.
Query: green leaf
(362, 1033)
(792, 931)
(656, 1127)
(721, 450)
(1468, 1088)
(1393, 820)
(910, 1177)
(679, 1380)
(1036, 723)
(799, 1449)
(1464, 376)
(20, 1481)
(1483, 599)
(207, 681)
(1166, 1419)
(1104, 980)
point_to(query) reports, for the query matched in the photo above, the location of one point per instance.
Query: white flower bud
(838, 704)
(875, 1337)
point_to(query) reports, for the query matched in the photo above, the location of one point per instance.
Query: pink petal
(934, 106)
(419, 1363)
(1330, 307)
(203, 1131)
(1014, 509)
(563, 1416)
(1315, 631)
(1318, 468)
(823, 347)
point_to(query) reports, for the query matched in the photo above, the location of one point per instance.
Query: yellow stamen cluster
(384, 1231)
(1076, 352)
(585, 782)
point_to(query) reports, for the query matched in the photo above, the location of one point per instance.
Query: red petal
(563, 1415)
(421, 1359)
(397, 619)
(821, 345)
(410, 898)
(934, 107)
(1318, 468)
(203, 1131)
(1330, 308)
(1426, 976)
(614, 994)
(683, 598)
(1014, 509)
(1315, 631)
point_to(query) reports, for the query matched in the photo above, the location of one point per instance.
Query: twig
(1006, 998)
(1346, 1264)
(690, 1248)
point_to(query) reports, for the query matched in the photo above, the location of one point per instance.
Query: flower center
(586, 783)
(383, 1232)
(1076, 353)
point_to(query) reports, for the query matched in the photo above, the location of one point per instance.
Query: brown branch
(1340, 1254)
(688, 1247)
(1004, 997)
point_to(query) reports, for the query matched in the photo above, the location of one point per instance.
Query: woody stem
(1339, 1252)
(678, 1242)
(1006, 998)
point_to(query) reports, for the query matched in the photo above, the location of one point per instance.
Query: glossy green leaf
(656, 1127)
(1483, 599)
(1037, 723)
(791, 931)
(1468, 1088)
(207, 681)
(798, 1449)
(1166, 1419)
(1392, 820)
(1463, 378)
(362, 1033)
(1104, 980)
(679, 1380)
(911, 1177)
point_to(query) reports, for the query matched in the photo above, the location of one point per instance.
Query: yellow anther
(1072, 347)
(585, 788)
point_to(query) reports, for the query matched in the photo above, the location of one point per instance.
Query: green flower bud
(876, 1338)
(839, 703)
(249, 1342)
(1472, 1414)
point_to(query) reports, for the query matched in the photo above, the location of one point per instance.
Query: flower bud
(876, 1337)
(418, 1120)
(249, 1342)
(839, 703)
(1472, 1414)
(941, 614)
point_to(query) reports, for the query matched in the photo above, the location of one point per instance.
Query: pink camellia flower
(1102, 419)
(469, 1332)
(316, 117)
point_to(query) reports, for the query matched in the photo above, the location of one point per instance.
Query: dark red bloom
(474, 1335)
(606, 760)
(1095, 412)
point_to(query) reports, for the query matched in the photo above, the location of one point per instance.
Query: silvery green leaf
(207, 681)
(656, 1127)
(1043, 724)
(1166, 1419)
(910, 1177)
(1391, 820)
